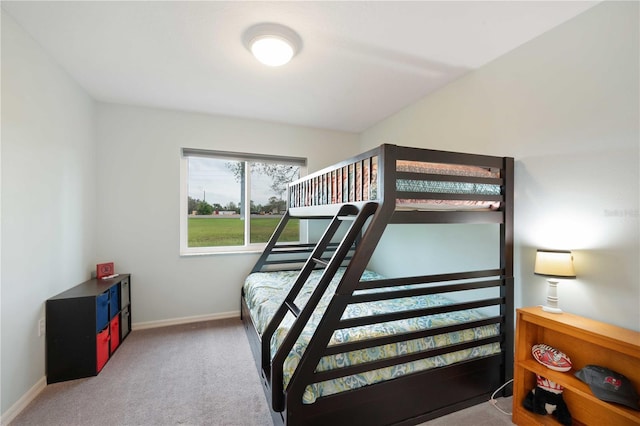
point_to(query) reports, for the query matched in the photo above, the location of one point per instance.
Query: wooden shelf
(585, 341)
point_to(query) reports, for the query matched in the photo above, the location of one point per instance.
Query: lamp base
(552, 297)
(551, 309)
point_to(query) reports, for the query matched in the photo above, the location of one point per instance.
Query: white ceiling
(360, 62)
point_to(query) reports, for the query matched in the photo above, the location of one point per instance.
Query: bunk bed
(336, 343)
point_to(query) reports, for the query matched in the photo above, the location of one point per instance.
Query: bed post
(506, 259)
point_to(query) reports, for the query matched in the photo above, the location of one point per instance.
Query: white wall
(48, 200)
(565, 106)
(138, 207)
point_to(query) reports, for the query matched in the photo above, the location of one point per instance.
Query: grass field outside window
(214, 231)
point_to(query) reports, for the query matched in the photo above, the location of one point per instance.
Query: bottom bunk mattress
(265, 291)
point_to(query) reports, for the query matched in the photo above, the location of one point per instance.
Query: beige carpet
(483, 414)
(194, 374)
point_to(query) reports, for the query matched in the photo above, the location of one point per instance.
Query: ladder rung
(293, 308)
(346, 217)
(320, 261)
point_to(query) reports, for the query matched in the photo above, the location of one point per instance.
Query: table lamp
(554, 264)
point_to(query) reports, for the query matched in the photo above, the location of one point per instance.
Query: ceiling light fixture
(272, 44)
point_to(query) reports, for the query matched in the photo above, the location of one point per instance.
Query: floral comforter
(265, 291)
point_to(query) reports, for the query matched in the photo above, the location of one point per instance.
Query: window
(216, 188)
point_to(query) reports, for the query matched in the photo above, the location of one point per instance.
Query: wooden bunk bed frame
(369, 204)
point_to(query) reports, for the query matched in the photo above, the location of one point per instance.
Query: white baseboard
(184, 320)
(15, 409)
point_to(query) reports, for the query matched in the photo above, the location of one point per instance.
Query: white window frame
(248, 247)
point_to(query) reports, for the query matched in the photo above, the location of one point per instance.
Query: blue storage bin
(114, 302)
(102, 311)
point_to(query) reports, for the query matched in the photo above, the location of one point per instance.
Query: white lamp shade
(554, 263)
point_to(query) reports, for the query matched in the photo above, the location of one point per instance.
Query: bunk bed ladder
(347, 212)
(289, 303)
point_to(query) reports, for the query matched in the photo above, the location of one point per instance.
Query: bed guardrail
(413, 180)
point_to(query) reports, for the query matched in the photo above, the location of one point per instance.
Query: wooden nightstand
(585, 341)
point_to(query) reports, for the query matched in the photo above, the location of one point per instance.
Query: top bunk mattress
(445, 187)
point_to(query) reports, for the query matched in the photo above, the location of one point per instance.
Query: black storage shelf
(78, 340)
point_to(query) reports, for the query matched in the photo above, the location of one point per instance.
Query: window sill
(256, 250)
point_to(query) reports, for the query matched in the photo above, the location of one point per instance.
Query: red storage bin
(114, 325)
(102, 343)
